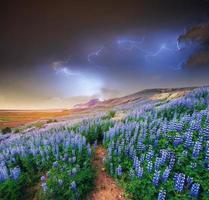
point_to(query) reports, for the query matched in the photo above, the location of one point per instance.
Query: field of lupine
(163, 152)
(159, 152)
(61, 158)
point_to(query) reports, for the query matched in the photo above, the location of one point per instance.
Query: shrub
(6, 130)
(51, 121)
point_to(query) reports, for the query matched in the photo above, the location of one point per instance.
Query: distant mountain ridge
(89, 104)
(147, 94)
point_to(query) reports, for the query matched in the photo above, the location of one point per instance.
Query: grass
(5, 119)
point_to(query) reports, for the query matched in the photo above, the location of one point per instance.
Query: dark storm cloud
(200, 59)
(199, 34)
(40, 31)
(197, 38)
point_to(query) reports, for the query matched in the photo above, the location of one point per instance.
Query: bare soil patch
(106, 188)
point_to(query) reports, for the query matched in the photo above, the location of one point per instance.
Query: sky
(54, 54)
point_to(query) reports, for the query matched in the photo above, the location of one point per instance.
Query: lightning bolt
(131, 44)
(62, 67)
(94, 54)
(162, 48)
(177, 45)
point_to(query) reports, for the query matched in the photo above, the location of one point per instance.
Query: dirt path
(106, 188)
(30, 192)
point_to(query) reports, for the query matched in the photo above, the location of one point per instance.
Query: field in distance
(15, 118)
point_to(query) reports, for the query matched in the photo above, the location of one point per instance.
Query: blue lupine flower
(195, 190)
(156, 178)
(177, 141)
(172, 162)
(95, 144)
(164, 157)
(161, 194)
(3, 173)
(157, 163)
(188, 141)
(15, 173)
(166, 174)
(179, 181)
(136, 162)
(73, 185)
(155, 143)
(89, 151)
(44, 187)
(119, 171)
(206, 132)
(140, 172)
(189, 181)
(149, 166)
(43, 179)
(149, 155)
(196, 149)
(207, 151)
(74, 171)
(73, 159)
(55, 164)
(142, 158)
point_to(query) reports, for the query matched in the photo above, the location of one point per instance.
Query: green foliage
(84, 179)
(51, 121)
(110, 115)
(12, 189)
(17, 130)
(200, 106)
(39, 124)
(6, 130)
(93, 130)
